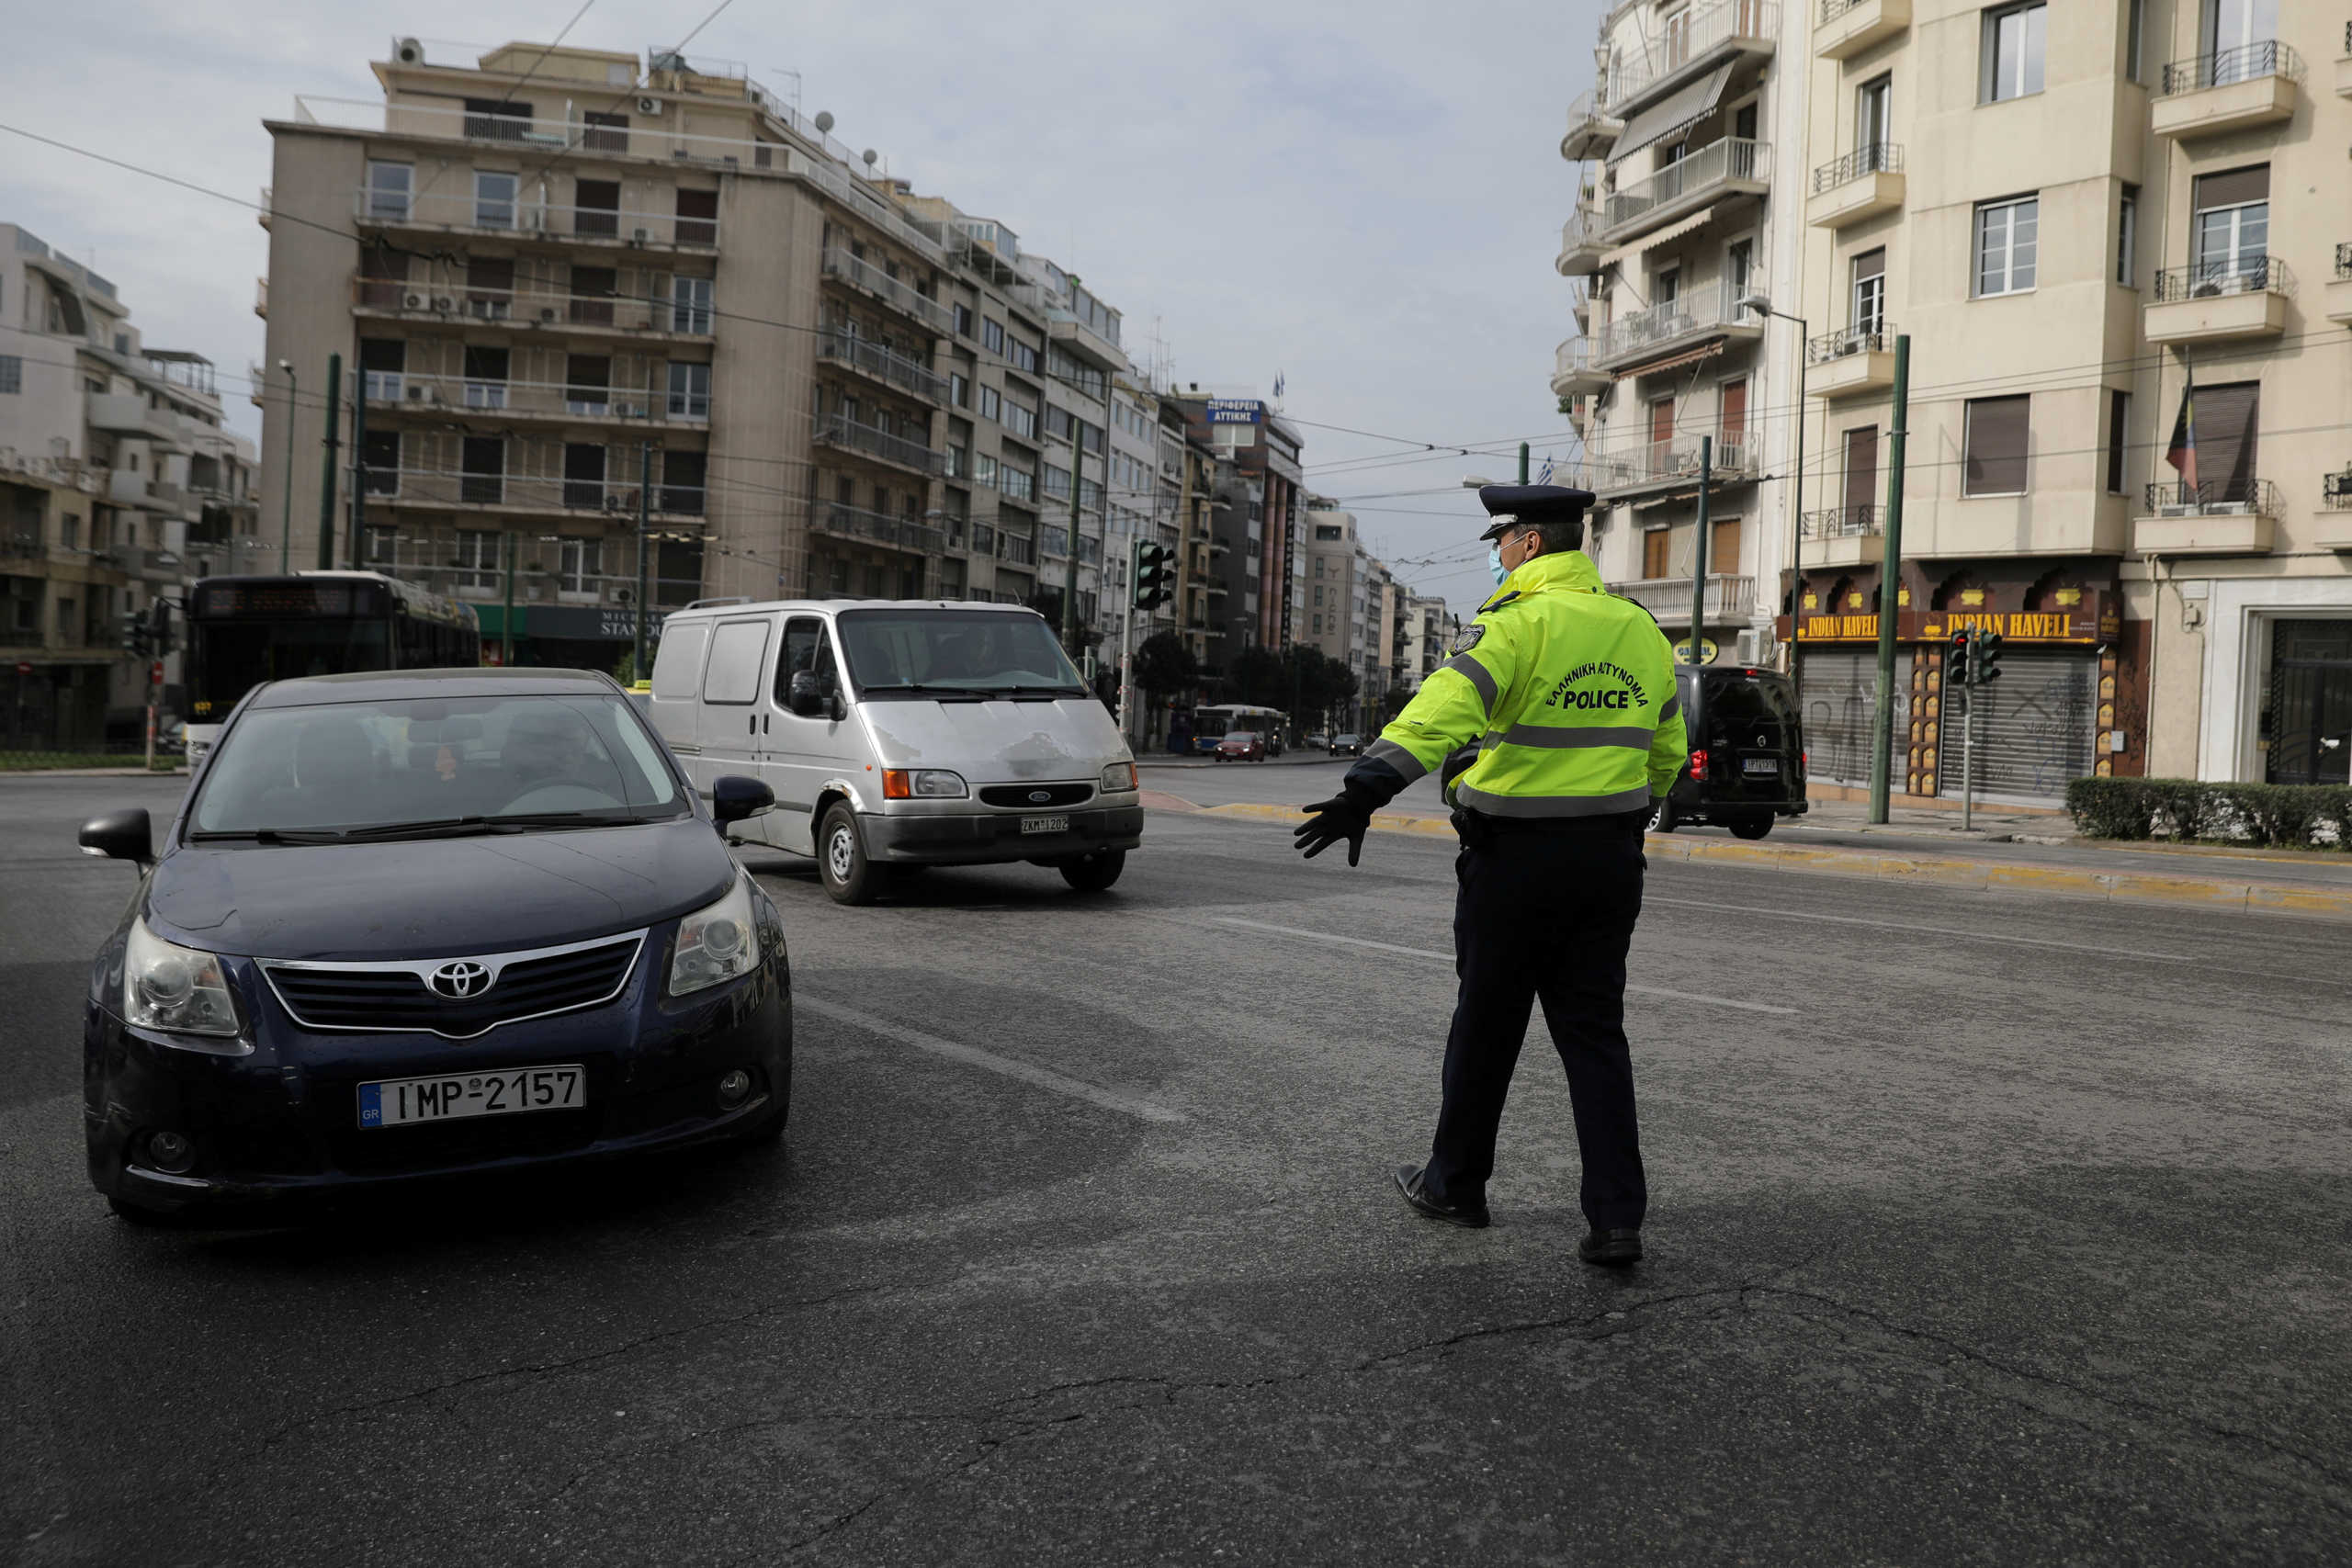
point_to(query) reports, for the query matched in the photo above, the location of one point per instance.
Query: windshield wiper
(1034, 693)
(263, 836)
(916, 688)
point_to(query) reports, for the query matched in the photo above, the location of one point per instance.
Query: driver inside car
(546, 744)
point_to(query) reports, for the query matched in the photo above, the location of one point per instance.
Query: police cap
(1530, 506)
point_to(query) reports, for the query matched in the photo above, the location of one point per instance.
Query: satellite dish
(824, 119)
(869, 155)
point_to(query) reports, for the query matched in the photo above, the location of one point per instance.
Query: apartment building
(592, 302)
(1204, 586)
(118, 486)
(1424, 639)
(1349, 607)
(1688, 146)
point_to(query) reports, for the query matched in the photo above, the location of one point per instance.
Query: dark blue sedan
(424, 924)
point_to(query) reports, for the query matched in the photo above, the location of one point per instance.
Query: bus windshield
(924, 652)
(234, 657)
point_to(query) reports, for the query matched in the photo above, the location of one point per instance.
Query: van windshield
(926, 652)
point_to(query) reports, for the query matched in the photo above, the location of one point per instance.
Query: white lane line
(1907, 930)
(1448, 958)
(973, 1056)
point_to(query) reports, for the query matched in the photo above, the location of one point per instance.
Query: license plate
(1760, 766)
(1045, 824)
(456, 1096)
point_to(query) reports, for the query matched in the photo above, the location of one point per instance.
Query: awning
(1675, 362)
(1686, 105)
(1625, 254)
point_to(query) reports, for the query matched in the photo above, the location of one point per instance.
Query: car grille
(394, 998)
(1026, 794)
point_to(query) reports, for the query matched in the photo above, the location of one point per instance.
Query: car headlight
(717, 942)
(923, 784)
(1119, 776)
(175, 988)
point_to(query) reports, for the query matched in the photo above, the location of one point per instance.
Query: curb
(1944, 870)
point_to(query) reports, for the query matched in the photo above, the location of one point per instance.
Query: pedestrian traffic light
(135, 633)
(1956, 661)
(159, 628)
(1153, 577)
(1984, 658)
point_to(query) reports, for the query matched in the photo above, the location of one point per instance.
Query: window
(580, 564)
(381, 362)
(992, 335)
(604, 132)
(1869, 292)
(598, 207)
(2126, 236)
(681, 482)
(486, 371)
(2016, 39)
(2006, 239)
(1057, 481)
(1723, 547)
(2135, 40)
(984, 471)
(1666, 287)
(739, 652)
(380, 458)
(497, 120)
(689, 391)
(2230, 239)
(1739, 261)
(1994, 446)
(697, 218)
(592, 290)
(963, 320)
(1656, 561)
(2240, 37)
(959, 390)
(587, 383)
(991, 404)
(583, 475)
(1023, 358)
(1022, 422)
(387, 190)
(690, 304)
(1018, 484)
(1318, 591)
(490, 288)
(493, 199)
(478, 562)
(2228, 419)
(1319, 626)
(1875, 116)
(12, 373)
(482, 471)
(2118, 409)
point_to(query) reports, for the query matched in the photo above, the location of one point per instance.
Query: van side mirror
(733, 798)
(807, 694)
(121, 835)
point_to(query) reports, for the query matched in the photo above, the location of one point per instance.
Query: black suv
(1747, 751)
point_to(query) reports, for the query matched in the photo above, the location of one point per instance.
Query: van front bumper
(995, 838)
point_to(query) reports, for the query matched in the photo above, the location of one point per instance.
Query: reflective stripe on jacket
(1569, 692)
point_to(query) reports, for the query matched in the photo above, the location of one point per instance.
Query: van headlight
(178, 989)
(715, 942)
(1119, 776)
(923, 784)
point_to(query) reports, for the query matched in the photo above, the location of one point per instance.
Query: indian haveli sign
(2081, 624)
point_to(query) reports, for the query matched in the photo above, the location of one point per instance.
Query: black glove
(1329, 821)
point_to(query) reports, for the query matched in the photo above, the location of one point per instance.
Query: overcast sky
(1364, 196)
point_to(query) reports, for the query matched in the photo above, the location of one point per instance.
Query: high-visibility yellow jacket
(1569, 691)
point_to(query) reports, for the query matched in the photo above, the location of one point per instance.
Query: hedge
(2297, 816)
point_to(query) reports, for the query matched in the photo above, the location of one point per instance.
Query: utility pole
(359, 466)
(1699, 548)
(1890, 578)
(1523, 462)
(1967, 738)
(644, 518)
(286, 512)
(326, 468)
(506, 618)
(1076, 483)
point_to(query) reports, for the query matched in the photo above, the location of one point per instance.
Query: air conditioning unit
(548, 312)
(613, 502)
(415, 299)
(650, 105)
(409, 51)
(629, 411)
(444, 302)
(640, 236)
(1746, 646)
(415, 393)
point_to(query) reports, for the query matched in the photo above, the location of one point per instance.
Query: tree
(1164, 666)
(1257, 678)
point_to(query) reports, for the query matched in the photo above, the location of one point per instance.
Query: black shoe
(1408, 1182)
(1610, 1250)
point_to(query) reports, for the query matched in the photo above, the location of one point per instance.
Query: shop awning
(1673, 362)
(1675, 230)
(1682, 107)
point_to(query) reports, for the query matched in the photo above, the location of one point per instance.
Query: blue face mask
(1495, 562)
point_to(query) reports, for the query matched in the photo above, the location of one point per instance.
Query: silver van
(900, 733)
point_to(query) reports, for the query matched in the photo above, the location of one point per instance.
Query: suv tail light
(1699, 763)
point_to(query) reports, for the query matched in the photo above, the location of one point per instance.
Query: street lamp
(1756, 300)
(286, 524)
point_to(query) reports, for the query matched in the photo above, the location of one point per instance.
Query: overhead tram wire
(545, 53)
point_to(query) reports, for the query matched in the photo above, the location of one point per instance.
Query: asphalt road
(1982, 1231)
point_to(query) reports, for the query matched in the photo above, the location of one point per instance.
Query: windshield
(415, 762)
(924, 652)
(234, 657)
(1241, 737)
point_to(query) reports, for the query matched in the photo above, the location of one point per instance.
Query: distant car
(1351, 745)
(1318, 743)
(1241, 746)
(1747, 754)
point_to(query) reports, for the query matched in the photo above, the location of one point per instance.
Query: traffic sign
(23, 667)
(1707, 650)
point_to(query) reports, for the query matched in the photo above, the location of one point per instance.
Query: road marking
(1448, 958)
(1910, 931)
(973, 1056)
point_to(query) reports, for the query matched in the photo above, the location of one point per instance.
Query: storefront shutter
(1839, 694)
(2033, 726)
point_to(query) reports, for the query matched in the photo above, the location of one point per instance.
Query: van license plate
(1045, 824)
(454, 1096)
(1760, 766)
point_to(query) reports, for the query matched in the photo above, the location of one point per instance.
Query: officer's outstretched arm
(1455, 706)
(1670, 747)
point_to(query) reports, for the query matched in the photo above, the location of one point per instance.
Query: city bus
(244, 630)
(1214, 721)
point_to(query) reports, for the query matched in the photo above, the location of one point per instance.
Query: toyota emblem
(1040, 796)
(460, 980)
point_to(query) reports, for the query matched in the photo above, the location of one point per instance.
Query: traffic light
(1153, 578)
(1956, 661)
(159, 628)
(1984, 658)
(136, 633)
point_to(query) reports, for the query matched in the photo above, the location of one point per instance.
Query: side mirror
(807, 695)
(121, 835)
(733, 798)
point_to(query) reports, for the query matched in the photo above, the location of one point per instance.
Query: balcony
(1573, 371)
(846, 433)
(1843, 537)
(2222, 517)
(1580, 246)
(1668, 599)
(2232, 90)
(1662, 468)
(844, 522)
(871, 359)
(130, 413)
(2332, 524)
(2339, 288)
(262, 213)
(510, 494)
(1848, 27)
(1864, 184)
(1850, 362)
(543, 402)
(1591, 131)
(1062, 326)
(261, 298)
(1693, 43)
(2220, 300)
(1732, 167)
(1703, 315)
(532, 309)
(871, 281)
(2344, 67)
(454, 212)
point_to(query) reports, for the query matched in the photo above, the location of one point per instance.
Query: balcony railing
(1732, 158)
(1581, 233)
(1876, 337)
(1833, 9)
(532, 306)
(840, 430)
(1573, 357)
(443, 486)
(1668, 598)
(1700, 312)
(2343, 249)
(2335, 490)
(1842, 523)
(456, 211)
(2255, 274)
(846, 522)
(1878, 158)
(848, 348)
(899, 295)
(1689, 37)
(2247, 62)
(1673, 461)
(545, 400)
(2244, 495)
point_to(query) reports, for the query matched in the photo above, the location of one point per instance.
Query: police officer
(1558, 710)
